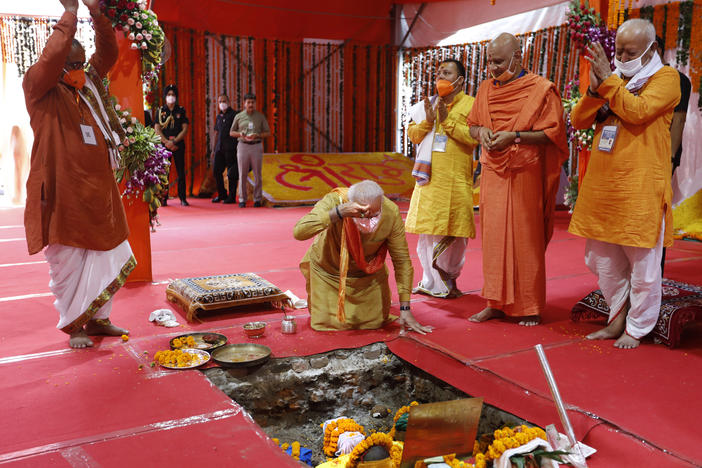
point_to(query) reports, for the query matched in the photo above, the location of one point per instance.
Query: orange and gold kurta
(626, 192)
(368, 296)
(518, 190)
(72, 197)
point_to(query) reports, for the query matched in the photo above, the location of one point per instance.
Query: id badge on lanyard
(439, 144)
(88, 135)
(608, 138)
(86, 131)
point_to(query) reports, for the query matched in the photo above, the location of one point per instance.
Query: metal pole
(556, 396)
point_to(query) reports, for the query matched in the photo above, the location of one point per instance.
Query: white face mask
(368, 225)
(507, 74)
(633, 66)
(223, 106)
(170, 100)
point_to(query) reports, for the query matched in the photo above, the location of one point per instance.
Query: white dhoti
(629, 273)
(85, 281)
(442, 259)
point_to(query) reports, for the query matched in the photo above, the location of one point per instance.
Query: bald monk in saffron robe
(624, 205)
(518, 119)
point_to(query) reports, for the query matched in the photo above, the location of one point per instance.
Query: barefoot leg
(611, 331)
(530, 321)
(454, 292)
(486, 314)
(626, 342)
(80, 340)
(104, 327)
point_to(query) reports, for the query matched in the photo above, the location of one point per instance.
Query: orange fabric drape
(125, 84)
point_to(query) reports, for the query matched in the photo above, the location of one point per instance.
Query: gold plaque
(441, 428)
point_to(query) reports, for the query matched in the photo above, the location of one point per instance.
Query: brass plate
(203, 357)
(200, 344)
(241, 355)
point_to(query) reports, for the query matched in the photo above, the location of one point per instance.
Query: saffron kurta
(367, 296)
(444, 206)
(625, 193)
(517, 190)
(72, 197)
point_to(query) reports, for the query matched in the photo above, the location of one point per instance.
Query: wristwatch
(517, 139)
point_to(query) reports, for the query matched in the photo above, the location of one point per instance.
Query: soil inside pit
(291, 397)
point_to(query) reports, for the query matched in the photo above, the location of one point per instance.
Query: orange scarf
(351, 242)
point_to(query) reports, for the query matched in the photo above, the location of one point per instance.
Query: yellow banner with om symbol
(304, 178)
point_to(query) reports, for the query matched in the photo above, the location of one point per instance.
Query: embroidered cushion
(681, 303)
(222, 291)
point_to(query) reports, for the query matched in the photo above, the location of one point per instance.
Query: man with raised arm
(74, 208)
(518, 119)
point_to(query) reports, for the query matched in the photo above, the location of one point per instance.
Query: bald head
(505, 41)
(504, 57)
(635, 38)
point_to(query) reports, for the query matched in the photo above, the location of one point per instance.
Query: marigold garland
(378, 438)
(400, 412)
(336, 428)
(507, 438)
(694, 46)
(453, 462)
(671, 25)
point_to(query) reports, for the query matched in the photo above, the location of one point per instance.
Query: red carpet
(96, 407)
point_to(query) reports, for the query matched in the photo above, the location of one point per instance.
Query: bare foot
(454, 293)
(611, 331)
(530, 321)
(486, 314)
(104, 327)
(80, 340)
(626, 342)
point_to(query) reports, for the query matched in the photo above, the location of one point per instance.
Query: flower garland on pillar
(145, 162)
(140, 26)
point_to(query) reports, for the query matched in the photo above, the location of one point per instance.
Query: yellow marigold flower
(125, 337)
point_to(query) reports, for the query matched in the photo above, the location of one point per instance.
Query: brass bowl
(255, 329)
(241, 355)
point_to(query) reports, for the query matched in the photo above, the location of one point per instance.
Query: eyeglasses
(75, 65)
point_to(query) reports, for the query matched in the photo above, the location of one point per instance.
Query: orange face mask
(445, 87)
(74, 78)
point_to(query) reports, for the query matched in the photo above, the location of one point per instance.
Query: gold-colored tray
(241, 355)
(202, 344)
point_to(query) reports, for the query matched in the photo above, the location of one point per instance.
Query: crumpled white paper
(164, 318)
(348, 441)
(560, 442)
(296, 301)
